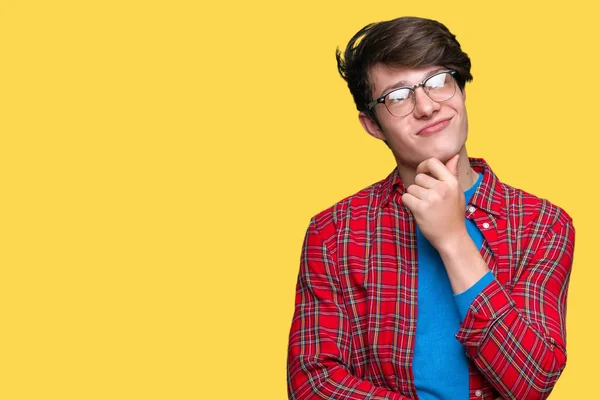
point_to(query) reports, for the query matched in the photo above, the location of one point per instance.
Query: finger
(417, 191)
(452, 165)
(410, 201)
(426, 181)
(425, 166)
(436, 168)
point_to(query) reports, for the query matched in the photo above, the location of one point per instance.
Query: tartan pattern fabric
(353, 330)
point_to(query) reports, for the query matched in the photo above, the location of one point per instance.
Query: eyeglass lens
(439, 87)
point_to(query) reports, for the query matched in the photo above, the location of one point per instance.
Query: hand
(437, 202)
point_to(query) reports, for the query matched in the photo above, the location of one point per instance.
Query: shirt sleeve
(320, 336)
(463, 300)
(517, 339)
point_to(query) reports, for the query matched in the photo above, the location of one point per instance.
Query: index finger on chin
(434, 167)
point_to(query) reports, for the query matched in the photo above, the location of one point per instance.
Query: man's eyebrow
(404, 83)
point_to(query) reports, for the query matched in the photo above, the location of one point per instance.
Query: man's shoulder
(519, 207)
(358, 205)
(529, 209)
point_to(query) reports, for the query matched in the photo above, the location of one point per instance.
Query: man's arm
(320, 337)
(518, 339)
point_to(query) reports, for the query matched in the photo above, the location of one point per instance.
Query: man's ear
(370, 125)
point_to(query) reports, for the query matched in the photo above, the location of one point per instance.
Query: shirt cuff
(463, 300)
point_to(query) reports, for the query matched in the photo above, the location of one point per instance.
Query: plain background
(160, 162)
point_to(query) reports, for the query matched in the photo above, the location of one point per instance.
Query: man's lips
(434, 127)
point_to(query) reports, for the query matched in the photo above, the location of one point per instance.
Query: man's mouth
(434, 127)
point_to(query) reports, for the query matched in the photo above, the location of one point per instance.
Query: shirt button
(486, 225)
(471, 209)
(478, 393)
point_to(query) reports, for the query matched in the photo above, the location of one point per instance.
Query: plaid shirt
(353, 330)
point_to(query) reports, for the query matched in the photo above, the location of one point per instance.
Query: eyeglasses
(400, 102)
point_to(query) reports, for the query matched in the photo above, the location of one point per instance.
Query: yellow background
(160, 162)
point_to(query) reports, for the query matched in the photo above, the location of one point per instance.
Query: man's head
(404, 52)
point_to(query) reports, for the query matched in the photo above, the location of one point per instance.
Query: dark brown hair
(406, 42)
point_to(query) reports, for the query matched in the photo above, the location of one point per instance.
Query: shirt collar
(489, 196)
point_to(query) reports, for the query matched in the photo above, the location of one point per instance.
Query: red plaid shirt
(353, 331)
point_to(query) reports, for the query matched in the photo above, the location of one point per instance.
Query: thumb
(452, 165)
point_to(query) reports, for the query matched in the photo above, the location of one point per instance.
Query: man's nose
(424, 106)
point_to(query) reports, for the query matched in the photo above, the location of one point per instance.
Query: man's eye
(398, 95)
(436, 81)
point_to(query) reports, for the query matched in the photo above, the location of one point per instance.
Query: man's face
(432, 129)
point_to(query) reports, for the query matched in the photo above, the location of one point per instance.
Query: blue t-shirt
(440, 365)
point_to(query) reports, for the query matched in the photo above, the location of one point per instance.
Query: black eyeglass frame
(412, 89)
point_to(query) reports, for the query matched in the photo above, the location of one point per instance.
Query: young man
(440, 281)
